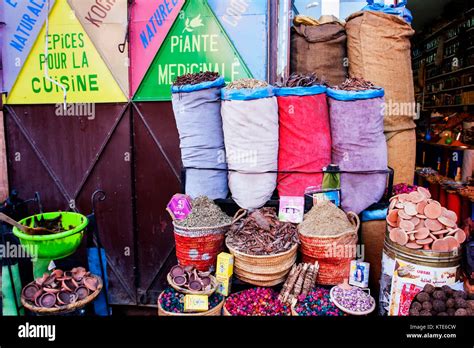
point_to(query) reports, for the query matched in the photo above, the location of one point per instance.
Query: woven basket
(64, 309)
(193, 292)
(332, 269)
(214, 312)
(263, 270)
(199, 246)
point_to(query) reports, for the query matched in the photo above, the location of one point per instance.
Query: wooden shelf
(449, 89)
(447, 106)
(449, 73)
(454, 148)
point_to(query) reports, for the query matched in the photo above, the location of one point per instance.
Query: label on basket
(179, 207)
(359, 275)
(196, 303)
(291, 209)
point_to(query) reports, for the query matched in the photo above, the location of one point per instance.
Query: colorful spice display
(353, 300)
(256, 302)
(325, 219)
(247, 83)
(403, 188)
(356, 84)
(262, 233)
(444, 301)
(205, 213)
(301, 80)
(418, 222)
(300, 281)
(196, 78)
(173, 301)
(317, 303)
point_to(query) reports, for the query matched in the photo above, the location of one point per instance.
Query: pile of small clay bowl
(418, 222)
(60, 289)
(189, 280)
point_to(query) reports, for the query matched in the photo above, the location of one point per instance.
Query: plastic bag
(397, 10)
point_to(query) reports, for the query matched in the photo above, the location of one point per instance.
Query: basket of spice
(264, 248)
(188, 280)
(61, 292)
(317, 303)
(255, 302)
(329, 235)
(171, 303)
(200, 236)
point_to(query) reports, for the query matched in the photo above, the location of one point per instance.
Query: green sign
(195, 43)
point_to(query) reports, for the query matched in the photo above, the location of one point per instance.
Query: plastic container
(53, 246)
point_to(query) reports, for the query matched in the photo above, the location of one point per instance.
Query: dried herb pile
(301, 80)
(205, 213)
(247, 83)
(325, 219)
(196, 78)
(356, 84)
(261, 233)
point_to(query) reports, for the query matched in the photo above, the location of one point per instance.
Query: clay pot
(51, 290)
(49, 281)
(29, 291)
(177, 271)
(47, 300)
(91, 283)
(69, 285)
(81, 292)
(179, 280)
(57, 273)
(195, 285)
(206, 281)
(40, 281)
(65, 298)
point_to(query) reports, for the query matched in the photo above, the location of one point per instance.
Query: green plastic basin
(53, 246)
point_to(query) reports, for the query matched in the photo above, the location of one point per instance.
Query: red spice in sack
(305, 142)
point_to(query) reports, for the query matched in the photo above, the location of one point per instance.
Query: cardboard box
(196, 303)
(224, 285)
(225, 265)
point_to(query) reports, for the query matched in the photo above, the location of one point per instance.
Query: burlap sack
(320, 49)
(378, 47)
(401, 148)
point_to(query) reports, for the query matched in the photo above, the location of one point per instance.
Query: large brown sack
(378, 47)
(401, 148)
(320, 49)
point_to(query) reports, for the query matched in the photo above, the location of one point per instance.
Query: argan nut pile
(418, 222)
(444, 301)
(60, 288)
(190, 278)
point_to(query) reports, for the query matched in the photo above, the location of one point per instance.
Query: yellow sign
(72, 62)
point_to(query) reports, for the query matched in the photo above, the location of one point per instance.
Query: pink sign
(151, 22)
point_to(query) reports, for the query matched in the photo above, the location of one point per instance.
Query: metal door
(66, 158)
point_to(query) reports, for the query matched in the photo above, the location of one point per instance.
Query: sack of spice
(329, 236)
(197, 109)
(250, 123)
(305, 134)
(319, 48)
(358, 142)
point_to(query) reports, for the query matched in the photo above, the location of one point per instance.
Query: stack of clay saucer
(418, 222)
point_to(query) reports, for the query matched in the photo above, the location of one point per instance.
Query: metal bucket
(406, 271)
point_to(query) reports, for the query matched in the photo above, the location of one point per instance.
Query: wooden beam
(3, 162)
